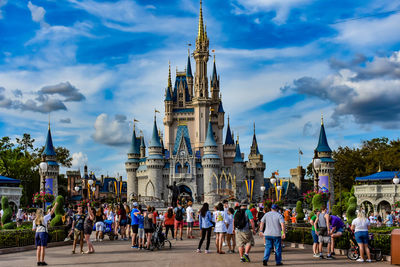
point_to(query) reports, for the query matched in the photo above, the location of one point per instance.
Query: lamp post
(91, 188)
(43, 169)
(262, 188)
(396, 181)
(316, 165)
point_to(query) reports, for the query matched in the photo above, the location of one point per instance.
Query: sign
(49, 185)
(323, 183)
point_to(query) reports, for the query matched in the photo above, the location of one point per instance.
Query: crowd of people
(234, 226)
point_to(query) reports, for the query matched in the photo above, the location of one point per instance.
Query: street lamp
(396, 179)
(43, 169)
(316, 165)
(262, 188)
(77, 188)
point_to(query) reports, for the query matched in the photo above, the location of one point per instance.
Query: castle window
(180, 103)
(180, 95)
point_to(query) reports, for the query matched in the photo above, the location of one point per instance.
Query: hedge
(302, 235)
(26, 237)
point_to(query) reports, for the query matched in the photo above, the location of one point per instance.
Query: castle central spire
(200, 34)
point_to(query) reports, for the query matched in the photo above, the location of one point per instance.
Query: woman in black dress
(88, 228)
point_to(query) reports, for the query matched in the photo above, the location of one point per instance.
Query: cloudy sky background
(95, 65)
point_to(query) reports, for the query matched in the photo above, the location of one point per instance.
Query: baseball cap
(135, 204)
(274, 206)
(244, 202)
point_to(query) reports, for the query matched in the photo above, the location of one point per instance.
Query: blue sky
(97, 64)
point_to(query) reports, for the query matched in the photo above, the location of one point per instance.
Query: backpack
(179, 214)
(240, 219)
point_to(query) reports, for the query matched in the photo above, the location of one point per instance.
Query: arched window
(187, 168)
(178, 168)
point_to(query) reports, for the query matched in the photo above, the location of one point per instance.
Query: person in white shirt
(230, 234)
(40, 226)
(220, 227)
(190, 220)
(360, 226)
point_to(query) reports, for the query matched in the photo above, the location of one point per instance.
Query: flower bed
(41, 197)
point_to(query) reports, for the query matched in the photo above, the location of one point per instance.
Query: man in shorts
(337, 228)
(244, 229)
(322, 229)
(179, 213)
(314, 235)
(134, 224)
(77, 226)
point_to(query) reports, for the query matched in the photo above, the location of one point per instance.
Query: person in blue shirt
(141, 230)
(205, 224)
(389, 219)
(134, 224)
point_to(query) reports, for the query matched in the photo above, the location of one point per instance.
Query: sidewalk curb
(342, 252)
(32, 247)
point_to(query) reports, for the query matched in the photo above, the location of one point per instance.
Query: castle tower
(142, 148)
(189, 75)
(211, 163)
(201, 102)
(131, 166)
(239, 172)
(255, 167)
(154, 163)
(229, 147)
(53, 168)
(325, 172)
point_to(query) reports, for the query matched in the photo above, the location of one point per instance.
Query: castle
(193, 153)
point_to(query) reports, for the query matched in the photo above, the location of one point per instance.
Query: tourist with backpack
(179, 213)
(244, 229)
(322, 229)
(205, 225)
(274, 233)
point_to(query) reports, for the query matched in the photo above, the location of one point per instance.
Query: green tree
(351, 210)
(299, 211)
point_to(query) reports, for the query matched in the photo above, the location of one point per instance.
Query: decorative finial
(134, 120)
(237, 139)
(200, 34)
(214, 57)
(322, 118)
(49, 120)
(228, 119)
(379, 169)
(254, 128)
(169, 75)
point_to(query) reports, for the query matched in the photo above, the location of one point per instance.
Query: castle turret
(214, 84)
(53, 168)
(142, 148)
(189, 75)
(229, 147)
(154, 163)
(211, 163)
(239, 171)
(131, 166)
(327, 166)
(255, 167)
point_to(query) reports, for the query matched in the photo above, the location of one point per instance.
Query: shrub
(10, 225)
(299, 210)
(7, 212)
(317, 202)
(59, 212)
(351, 210)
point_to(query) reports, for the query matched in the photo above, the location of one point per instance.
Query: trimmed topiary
(317, 202)
(7, 212)
(299, 211)
(59, 212)
(10, 225)
(351, 210)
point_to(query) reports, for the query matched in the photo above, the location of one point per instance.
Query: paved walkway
(119, 253)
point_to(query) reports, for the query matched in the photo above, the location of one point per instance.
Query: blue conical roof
(189, 68)
(214, 76)
(49, 148)
(323, 142)
(210, 141)
(134, 148)
(228, 138)
(238, 156)
(155, 138)
(142, 144)
(220, 107)
(168, 96)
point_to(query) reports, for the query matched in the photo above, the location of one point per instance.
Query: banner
(49, 185)
(323, 184)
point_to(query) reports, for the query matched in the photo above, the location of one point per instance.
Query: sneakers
(279, 264)
(198, 251)
(333, 253)
(223, 244)
(67, 239)
(242, 259)
(206, 251)
(246, 257)
(329, 257)
(229, 252)
(360, 260)
(265, 263)
(134, 247)
(316, 255)
(321, 256)
(368, 261)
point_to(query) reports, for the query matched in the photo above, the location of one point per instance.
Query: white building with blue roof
(192, 151)
(53, 168)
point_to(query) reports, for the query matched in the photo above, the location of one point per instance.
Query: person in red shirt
(254, 212)
(169, 221)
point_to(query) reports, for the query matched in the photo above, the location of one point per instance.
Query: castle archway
(383, 206)
(185, 192)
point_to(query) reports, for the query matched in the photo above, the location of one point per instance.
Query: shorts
(41, 239)
(135, 228)
(141, 233)
(128, 220)
(178, 224)
(123, 223)
(244, 238)
(87, 229)
(100, 226)
(190, 224)
(148, 231)
(324, 239)
(78, 234)
(314, 237)
(341, 230)
(362, 237)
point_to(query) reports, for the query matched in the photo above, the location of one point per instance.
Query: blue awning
(379, 176)
(7, 180)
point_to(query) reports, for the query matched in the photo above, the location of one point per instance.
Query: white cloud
(79, 160)
(37, 13)
(282, 8)
(2, 3)
(113, 132)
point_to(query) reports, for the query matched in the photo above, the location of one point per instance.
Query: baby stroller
(108, 230)
(353, 253)
(159, 240)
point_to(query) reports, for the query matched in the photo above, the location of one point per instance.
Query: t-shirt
(229, 221)
(272, 221)
(182, 209)
(79, 220)
(42, 228)
(313, 218)
(169, 221)
(389, 219)
(254, 212)
(287, 215)
(110, 216)
(220, 222)
(336, 222)
(141, 221)
(189, 214)
(360, 225)
(122, 213)
(134, 218)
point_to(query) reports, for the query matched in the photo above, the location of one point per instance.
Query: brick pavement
(119, 253)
